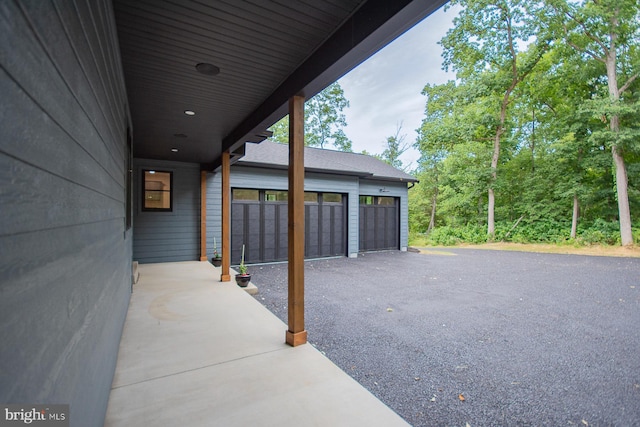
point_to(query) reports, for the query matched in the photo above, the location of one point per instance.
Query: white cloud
(385, 90)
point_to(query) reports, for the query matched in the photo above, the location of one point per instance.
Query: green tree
(483, 48)
(324, 121)
(440, 130)
(608, 32)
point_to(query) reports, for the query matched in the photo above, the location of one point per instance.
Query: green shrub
(600, 232)
(538, 231)
(449, 236)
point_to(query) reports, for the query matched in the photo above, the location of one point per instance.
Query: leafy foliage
(556, 137)
(324, 121)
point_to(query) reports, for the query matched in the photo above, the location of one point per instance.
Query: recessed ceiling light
(174, 150)
(207, 69)
(190, 113)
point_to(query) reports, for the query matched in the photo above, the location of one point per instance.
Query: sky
(385, 91)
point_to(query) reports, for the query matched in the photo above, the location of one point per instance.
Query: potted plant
(216, 260)
(243, 278)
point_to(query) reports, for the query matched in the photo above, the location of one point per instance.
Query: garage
(379, 223)
(259, 221)
(354, 203)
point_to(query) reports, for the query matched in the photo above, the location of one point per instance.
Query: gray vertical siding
(65, 255)
(168, 236)
(392, 189)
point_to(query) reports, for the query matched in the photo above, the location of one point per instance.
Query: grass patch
(563, 248)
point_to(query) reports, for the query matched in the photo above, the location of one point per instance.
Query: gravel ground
(477, 337)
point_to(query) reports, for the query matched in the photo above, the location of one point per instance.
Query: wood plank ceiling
(266, 51)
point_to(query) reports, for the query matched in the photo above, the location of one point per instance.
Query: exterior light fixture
(190, 112)
(174, 150)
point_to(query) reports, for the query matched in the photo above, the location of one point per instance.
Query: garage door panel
(334, 242)
(253, 236)
(270, 222)
(283, 241)
(391, 227)
(379, 225)
(311, 238)
(237, 230)
(326, 236)
(263, 227)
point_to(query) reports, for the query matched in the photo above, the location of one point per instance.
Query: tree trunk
(626, 234)
(574, 219)
(624, 212)
(491, 226)
(432, 221)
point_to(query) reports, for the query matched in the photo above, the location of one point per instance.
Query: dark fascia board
(308, 170)
(390, 179)
(374, 25)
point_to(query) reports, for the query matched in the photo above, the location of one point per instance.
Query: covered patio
(222, 74)
(198, 352)
(101, 98)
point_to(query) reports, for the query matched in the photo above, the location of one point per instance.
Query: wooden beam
(371, 27)
(296, 334)
(226, 217)
(203, 215)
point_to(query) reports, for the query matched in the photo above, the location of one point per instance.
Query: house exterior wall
(168, 236)
(391, 189)
(65, 249)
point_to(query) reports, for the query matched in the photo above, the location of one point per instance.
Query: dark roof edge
(390, 178)
(371, 27)
(364, 175)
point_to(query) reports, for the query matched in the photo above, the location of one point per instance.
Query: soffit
(267, 51)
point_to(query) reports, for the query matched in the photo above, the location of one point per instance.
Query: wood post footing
(295, 339)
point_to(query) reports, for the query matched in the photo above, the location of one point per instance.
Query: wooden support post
(226, 217)
(203, 215)
(296, 334)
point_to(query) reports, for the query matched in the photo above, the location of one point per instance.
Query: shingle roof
(273, 155)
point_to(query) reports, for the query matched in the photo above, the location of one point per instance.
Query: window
(387, 201)
(157, 195)
(275, 196)
(310, 197)
(247, 195)
(332, 198)
(377, 200)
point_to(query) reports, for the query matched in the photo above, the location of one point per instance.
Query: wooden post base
(225, 277)
(296, 339)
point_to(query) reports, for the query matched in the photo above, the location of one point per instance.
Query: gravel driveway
(478, 337)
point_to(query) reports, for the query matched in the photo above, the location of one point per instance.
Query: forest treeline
(538, 137)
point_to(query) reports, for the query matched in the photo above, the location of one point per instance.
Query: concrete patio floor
(198, 352)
